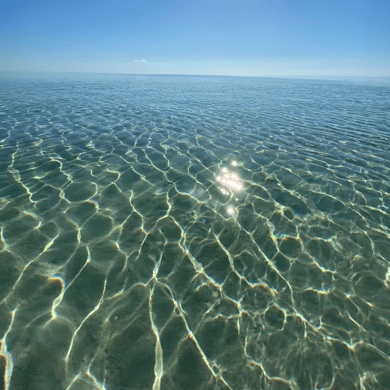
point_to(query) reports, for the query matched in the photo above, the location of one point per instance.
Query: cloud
(140, 61)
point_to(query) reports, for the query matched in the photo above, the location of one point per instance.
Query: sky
(332, 38)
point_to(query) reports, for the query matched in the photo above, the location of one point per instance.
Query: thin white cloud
(140, 61)
(135, 60)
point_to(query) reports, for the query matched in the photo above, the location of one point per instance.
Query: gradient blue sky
(215, 37)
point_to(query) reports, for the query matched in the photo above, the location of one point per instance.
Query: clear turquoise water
(171, 232)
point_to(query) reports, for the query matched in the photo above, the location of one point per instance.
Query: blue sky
(217, 37)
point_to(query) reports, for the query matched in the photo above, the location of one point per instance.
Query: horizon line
(303, 76)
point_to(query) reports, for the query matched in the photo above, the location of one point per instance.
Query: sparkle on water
(168, 232)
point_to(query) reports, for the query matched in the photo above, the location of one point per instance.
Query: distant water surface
(173, 232)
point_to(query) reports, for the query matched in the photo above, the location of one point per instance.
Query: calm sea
(179, 232)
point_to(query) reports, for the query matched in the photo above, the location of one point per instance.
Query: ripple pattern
(169, 232)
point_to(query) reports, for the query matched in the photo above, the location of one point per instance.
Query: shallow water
(170, 232)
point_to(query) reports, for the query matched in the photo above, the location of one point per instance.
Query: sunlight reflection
(229, 180)
(229, 185)
(230, 210)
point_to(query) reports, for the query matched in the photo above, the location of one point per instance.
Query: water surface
(171, 232)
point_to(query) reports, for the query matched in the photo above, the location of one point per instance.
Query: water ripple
(194, 233)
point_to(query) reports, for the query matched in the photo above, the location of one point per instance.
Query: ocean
(193, 232)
